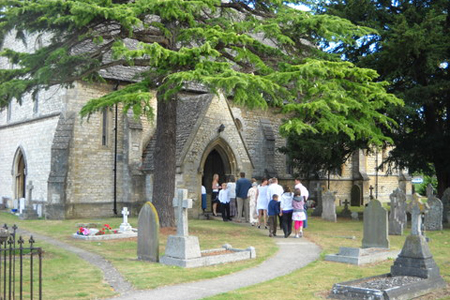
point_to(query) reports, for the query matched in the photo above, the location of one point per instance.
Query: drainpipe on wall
(115, 154)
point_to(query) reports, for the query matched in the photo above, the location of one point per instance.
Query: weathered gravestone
(181, 247)
(329, 207)
(318, 207)
(148, 233)
(27, 211)
(375, 226)
(346, 212)
(446, 205)
(125, 226)
(433, 218)
(413, 274)
(415, 259)
(375, 244)
(397, 215)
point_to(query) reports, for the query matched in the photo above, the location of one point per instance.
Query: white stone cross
(125, 226)
(125, 214)
(182, 204)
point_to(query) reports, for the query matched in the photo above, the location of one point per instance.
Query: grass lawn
(68, 277)
(316, 280)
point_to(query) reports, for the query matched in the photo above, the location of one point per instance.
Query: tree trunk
(165, 160)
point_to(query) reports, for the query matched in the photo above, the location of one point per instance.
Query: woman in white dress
(251, 195)
(262, 202)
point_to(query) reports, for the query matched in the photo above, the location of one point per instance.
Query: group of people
(261, 205)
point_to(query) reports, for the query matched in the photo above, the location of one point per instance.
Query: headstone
(21, 205)
(125, 226)
(397, 215)
(416, 207)
(319, 207)
(346, 212)
(433, 218)
(415, 259)
(181, 247)
(355, 216)
(27, 211)
(446, 205)
(375, 226)
(148, 233)
(329, 207)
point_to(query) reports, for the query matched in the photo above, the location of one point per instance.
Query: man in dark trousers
(242, 186)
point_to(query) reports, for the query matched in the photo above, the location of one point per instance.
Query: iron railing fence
(20, 267)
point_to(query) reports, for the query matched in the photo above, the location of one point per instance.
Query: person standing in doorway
(215, 193)
(203, 198)
(231, 187)
(224, 200)
(242, 186)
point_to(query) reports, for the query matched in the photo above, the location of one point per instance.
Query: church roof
(191, 110)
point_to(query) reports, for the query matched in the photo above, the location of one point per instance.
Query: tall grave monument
(413, 274)
(182, 246)
(397, 215)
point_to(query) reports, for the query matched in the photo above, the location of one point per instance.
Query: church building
(76, 168)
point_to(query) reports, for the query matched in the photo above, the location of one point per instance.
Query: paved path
(285, 261)
(288, 257)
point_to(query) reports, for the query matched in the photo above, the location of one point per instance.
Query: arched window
(20, 170)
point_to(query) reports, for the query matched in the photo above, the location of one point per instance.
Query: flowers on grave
(106, 229)
(83, 231)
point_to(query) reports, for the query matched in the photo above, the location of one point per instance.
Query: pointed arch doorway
(19, 171)
(218, 158)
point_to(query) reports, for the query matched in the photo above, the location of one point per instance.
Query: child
(273, 212)
(225, 203)
(298, 203)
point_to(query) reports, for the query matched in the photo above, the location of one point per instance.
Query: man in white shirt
(303, 190)
(274, 189)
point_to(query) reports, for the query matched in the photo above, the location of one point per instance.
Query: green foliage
(422, 187)
(316, 155)
(411, 52)
(254, 51)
